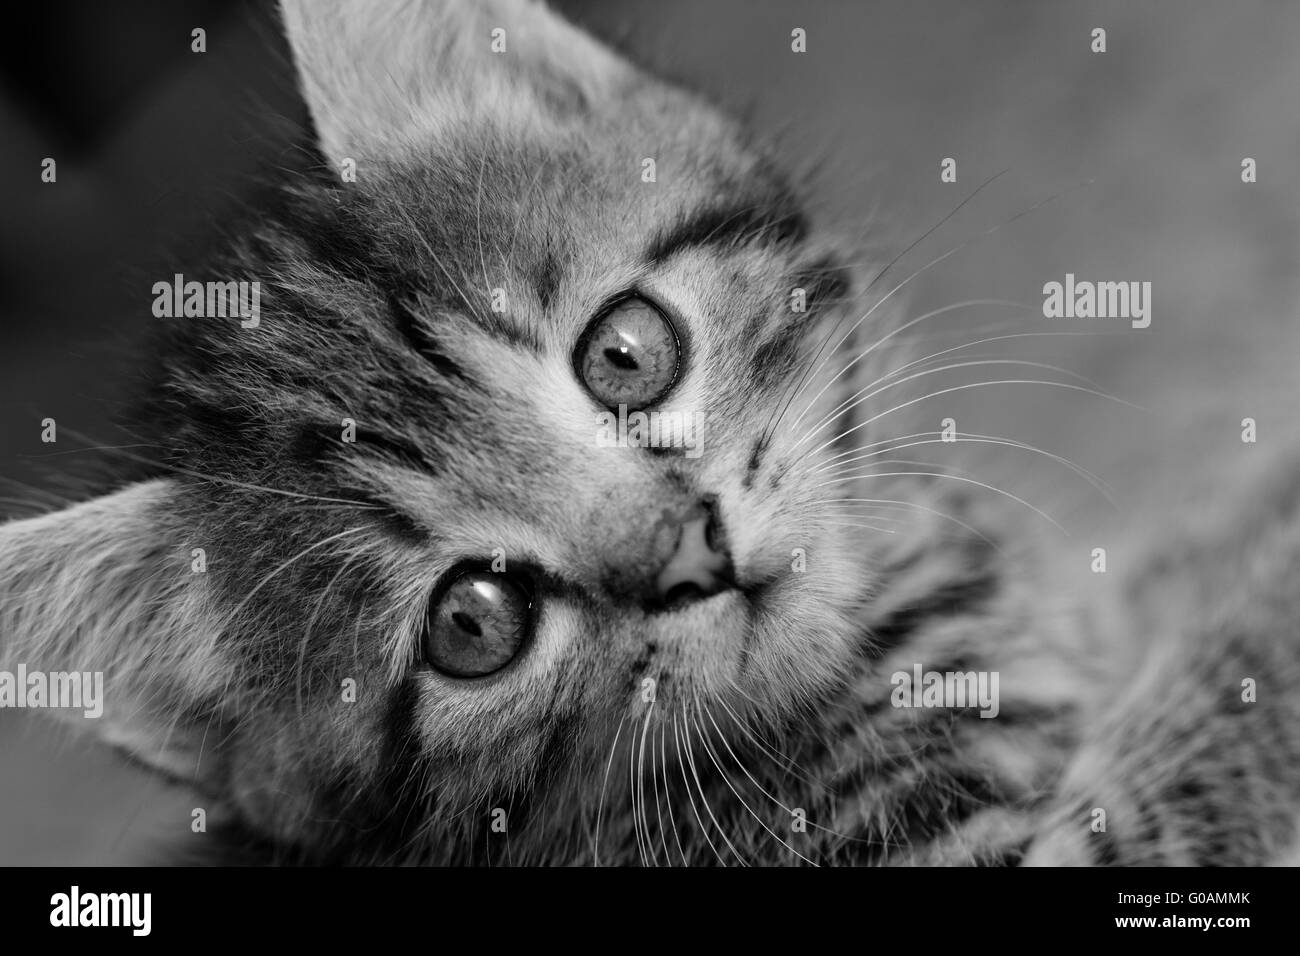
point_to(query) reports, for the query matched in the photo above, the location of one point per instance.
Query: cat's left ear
(103, 607)
(380, 75)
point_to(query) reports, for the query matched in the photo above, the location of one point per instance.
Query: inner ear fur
(108, 586)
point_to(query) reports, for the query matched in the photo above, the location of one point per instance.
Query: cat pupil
(621, 358)
(466, 623)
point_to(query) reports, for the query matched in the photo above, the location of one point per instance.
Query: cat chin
(700, 649)
(761, 649)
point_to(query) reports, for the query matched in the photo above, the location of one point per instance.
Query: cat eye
(477, 623)
(629, 355)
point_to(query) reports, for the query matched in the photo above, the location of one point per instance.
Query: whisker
(640, 777)
(960, 388)
(419, 234)
(788, 764)
(799, 772)
(929, 265)
(216, 479)
(654, 782)
(508, 259)
(975, 359)
(600, 809)
(297, 557)
(864, 526)
(631, 782)
(814, 367)
(723, 774)
(668, 802)
(761, 789)
(690, 758)
(870, 391)
(54, 500)
(74, 451)
(1101, 487)
(993, 338)
(478, 220)
(690, 796)
(929, 474)
(325, 593)
(888, 335)
(920, 507)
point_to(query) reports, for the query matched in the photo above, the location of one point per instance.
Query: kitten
(439, 617)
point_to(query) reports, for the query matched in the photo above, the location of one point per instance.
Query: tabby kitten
(440, 617)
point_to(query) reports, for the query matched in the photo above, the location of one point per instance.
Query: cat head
(517, 456)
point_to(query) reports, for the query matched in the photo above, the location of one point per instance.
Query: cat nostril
(699, 566)
(683, 593)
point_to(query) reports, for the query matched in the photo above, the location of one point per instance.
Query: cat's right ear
(105, 588)
(380, 74)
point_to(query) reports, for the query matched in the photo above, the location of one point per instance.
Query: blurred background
(1125, 165)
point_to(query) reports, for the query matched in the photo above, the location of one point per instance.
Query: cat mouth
(688, 592)
(688, 601)
(684, 597)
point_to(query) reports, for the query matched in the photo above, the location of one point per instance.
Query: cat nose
(700, 565)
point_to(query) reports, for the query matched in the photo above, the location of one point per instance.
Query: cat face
(447, 564)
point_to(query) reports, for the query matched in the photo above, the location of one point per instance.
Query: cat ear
(377, 74)
(99, 609)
